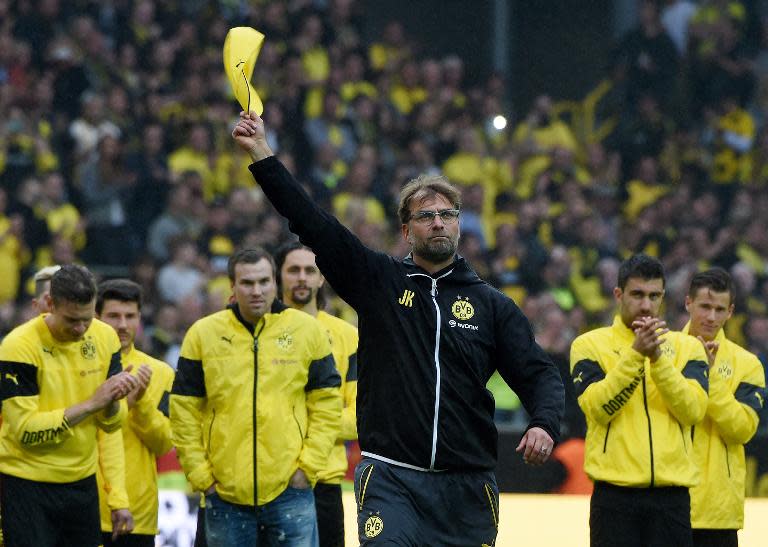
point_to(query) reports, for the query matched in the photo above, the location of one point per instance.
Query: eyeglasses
(448, 216)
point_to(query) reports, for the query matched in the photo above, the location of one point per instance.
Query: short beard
(436, 252)
(303, 300)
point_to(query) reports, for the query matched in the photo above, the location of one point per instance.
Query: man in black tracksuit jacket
(431, 335)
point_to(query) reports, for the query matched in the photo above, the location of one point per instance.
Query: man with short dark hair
(301, 283)
(431, 335)
(62, 380)
(147, 431)
(736, 393)
(255, 411)
(642, 389)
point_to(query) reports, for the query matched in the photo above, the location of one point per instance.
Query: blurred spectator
(646, 58)
(176, 220)
(536, 136)
(11, 251)
(60, 214)
(676, 15)
(331, 127)
(107, 185)
(88, 130)
(181, 277)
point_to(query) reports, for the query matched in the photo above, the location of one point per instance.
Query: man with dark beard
(301, 285)
(431, 335)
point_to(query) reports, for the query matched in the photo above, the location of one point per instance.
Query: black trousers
(406, 507)
(330, 514)
(715, 538)
(639, 517)
(43, 514)
(130, 540)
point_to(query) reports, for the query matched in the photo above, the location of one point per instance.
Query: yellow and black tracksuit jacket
(343, 338)
(639, 414)
(253, 403)
(146, 434)
(41, 378)
(736, 392)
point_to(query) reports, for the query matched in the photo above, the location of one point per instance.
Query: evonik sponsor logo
(454, 324)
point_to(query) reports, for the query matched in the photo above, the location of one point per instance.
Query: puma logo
(578, 378)
(12, 377)
(228, 339)
(48, 351)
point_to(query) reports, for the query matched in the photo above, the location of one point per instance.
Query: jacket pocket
(365, 476)
(727, 459)
(493, 504)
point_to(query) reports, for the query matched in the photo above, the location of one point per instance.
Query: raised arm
(345, 262)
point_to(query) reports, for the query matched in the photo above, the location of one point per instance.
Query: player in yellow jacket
(61, 381)
(147, 430)
(736, 391)
(301, 286)
(642, 389)
(255, 411)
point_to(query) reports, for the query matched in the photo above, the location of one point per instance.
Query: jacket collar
(621, 331)
(459, 269)
(277, 307)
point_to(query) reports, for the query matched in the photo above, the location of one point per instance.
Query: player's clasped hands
(649, 336)
(115, 388)
(143, 377)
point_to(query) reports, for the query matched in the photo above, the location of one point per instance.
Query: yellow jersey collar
(622, 332)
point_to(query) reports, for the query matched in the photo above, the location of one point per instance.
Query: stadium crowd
(115, 153)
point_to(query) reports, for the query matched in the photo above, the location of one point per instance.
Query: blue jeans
(288, 521)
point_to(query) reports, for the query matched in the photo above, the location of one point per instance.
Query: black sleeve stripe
(352, 370)
(750, 395)
(115, 365)
(323, 373)
(163, 405)
(18, 380)
(190, 379)
(585, 373)
(699, 371)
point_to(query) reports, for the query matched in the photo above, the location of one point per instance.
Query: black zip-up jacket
(428, 344)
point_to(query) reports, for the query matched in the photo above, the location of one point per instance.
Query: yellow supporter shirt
(343, 338)
(64, 220)
(349, 208)
(10, 261)
(641, 195)
(146, 434)
(41, 378)
(186, 159)
(732, 161)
